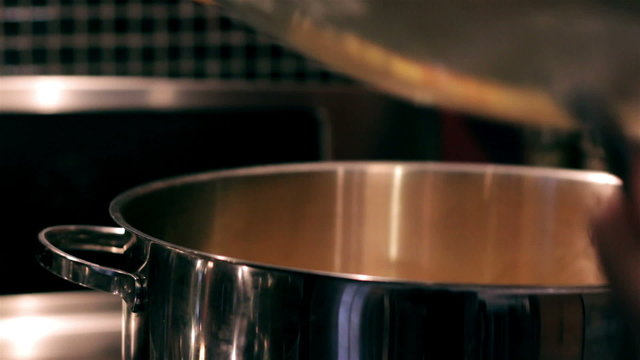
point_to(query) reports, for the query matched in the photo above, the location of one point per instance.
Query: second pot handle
(129, 286)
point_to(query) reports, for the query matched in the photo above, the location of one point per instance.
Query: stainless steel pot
(356, 261)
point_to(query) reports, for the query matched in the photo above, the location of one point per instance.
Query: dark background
(66, 169)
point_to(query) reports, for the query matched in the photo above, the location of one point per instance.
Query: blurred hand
(616, 236)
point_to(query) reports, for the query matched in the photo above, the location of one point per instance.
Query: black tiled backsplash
(171, 38)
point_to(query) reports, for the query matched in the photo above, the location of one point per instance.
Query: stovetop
(60, 325)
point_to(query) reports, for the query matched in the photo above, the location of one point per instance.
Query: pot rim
(590, 176)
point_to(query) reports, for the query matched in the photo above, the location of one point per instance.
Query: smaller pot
(356, 261)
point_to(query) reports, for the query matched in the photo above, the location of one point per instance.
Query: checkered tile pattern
(168, 38)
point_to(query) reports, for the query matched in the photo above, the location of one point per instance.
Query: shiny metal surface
(111, 240)
(59, 94)
(355, 116)
(60, 326)
(362, 261)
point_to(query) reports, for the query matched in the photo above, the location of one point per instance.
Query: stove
(60, 326)
(71, 144)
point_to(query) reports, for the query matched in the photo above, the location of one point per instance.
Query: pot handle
(129, 286)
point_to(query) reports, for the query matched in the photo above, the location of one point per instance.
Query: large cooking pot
(356, 261)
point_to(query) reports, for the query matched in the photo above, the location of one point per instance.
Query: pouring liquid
(515, 61)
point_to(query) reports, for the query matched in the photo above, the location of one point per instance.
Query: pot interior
(440, 223)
